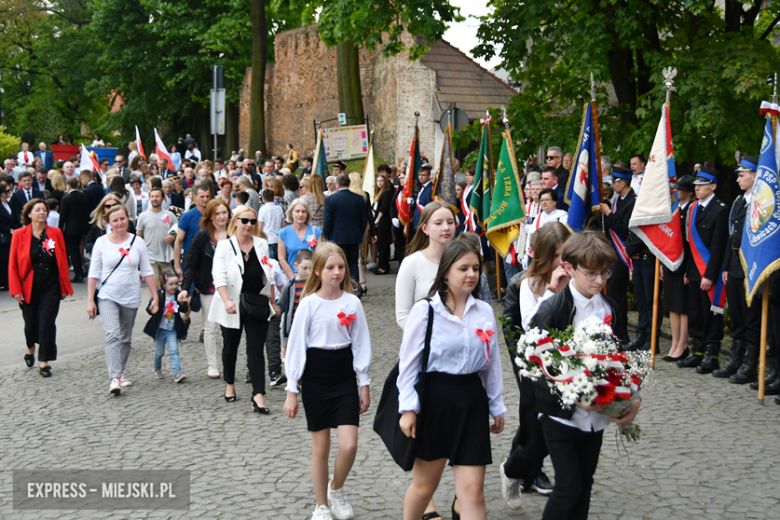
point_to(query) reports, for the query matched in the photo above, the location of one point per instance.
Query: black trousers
(384, 236)
(528, 447)
(4, 272)
(575, 455)
(703, 324)
(644, 281)
(256, 331)
(352, 252)
(745, 321)
(40, 315)
(400, 244)
(273, 346)
(617, 289)
(73, 245)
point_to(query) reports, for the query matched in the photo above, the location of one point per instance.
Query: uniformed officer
(745, 321)
(708, 231)
(616, 220)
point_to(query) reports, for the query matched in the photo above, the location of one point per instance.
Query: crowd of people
(276, 253)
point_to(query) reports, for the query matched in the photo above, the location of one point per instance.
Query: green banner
(506, 211)
(480, 195)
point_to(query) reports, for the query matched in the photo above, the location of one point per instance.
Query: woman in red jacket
(38, 279)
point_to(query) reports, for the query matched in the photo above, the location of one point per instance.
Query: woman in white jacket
(244, 281)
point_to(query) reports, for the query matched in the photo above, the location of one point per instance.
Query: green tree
(723, 57)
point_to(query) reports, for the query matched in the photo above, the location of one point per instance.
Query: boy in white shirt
(53, 220)
(270, 219)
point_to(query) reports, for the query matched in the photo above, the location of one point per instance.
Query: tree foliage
(722, 57)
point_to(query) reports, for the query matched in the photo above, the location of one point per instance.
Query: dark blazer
(74, 214)
(8, 221)
(46, 186)
(618, 220)
(47, 158)
(563, 176)
(200, 259)
(731, 261)
(424, 198)
(152, 326)
(177, 200)
(125, 173)
(346, 217)
(560, 189)
(18, 199)
(712, 223)
(94, 194)
(20, 273)
(558, 313)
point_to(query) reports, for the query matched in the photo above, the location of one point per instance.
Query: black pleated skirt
(675, 292)
(454, 420)
(329, 389)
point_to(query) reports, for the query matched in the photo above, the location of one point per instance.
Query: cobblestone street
(708, 449)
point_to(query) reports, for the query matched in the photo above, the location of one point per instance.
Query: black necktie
(28, 195)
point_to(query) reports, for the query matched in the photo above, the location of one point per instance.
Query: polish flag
(87, 161)
(162, 152)
(138, 143)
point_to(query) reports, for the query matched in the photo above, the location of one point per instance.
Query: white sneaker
(339, 505)
(213, 373)
(322, 513)
(510, 489)
(116, 387)
(124, 382)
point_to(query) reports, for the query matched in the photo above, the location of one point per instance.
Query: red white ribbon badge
(346, 319)
(484, 337)
(311, 241)
(125, 252)
(49, 246)
(166, 219)
(169, 310)
(265, 261)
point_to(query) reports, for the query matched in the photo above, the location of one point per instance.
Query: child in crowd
(573, 436)
(166, 326)
(270, 218)
(291, 295)
(242, 198)
(53, 220)
(273, 340)
(329, 347)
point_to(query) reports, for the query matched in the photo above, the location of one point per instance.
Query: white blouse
(415, 278)
(529, 302)
(456, 348)
(317, 325)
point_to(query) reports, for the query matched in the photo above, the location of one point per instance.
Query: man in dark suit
(745, 321)
(424, 195)
(92, 190)
(345, 222)
(74, 222)
(25, 193)
(555, 159)
(119, 164)
(171, 197)
(47, 157)
(42, 181)
(708, 221)
(550, 181)
(616, 219)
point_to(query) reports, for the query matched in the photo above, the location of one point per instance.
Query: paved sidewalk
(708, 450)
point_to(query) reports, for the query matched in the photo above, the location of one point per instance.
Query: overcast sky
(464, 35)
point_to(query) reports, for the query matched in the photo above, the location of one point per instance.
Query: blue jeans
(273, 251)
(169, 337)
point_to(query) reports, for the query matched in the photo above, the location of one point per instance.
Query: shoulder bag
(97, 289)
(253, 305)
(387, 421)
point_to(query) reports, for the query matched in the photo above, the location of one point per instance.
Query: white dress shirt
(456, 348)
(529, 302)
(584, 308)
(317, 325)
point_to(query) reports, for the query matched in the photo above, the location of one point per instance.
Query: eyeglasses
(591, 275)
(545, 200)
(551, 157)
(252, 221)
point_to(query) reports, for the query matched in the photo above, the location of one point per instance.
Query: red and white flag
(87, 161)
(138, 143)
(162, 152)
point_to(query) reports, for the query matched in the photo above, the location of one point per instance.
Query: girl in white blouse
(329, 346)
(418, 270)
(463, 383)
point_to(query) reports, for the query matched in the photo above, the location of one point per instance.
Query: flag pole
(765, 299)
(669, 74)
(492, 189)
(595, 113)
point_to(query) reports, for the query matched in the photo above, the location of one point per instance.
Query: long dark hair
(453, 252)
(118, 186)
(421, 240)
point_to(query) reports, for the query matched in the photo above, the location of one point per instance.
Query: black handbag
(97, 289)
(254, 305)
(386, 423)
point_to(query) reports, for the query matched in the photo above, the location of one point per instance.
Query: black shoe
(231, 398)
(542, 484)
(777, 400)
(670, 359)
(695, 357)
(78, 279)
(748, 371)
(737, 358)
(639, 343)
(773, 389)
(770, 376)
(46, 372)
(30, 360)
(258, 409)
(455, 516)
(200, 339)
(710, 362)
(248, 378)
(278, 379)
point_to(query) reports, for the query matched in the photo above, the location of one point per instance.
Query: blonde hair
(317, 188)
(98, 216)
(356, 183)
(58, 182)
(232, 225)
(321, 254)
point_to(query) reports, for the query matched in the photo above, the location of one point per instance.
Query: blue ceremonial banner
(760, 252)
(320, 166)
(582, 192)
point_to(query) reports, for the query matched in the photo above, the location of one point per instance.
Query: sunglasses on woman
(252, 221)
(109, 206)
